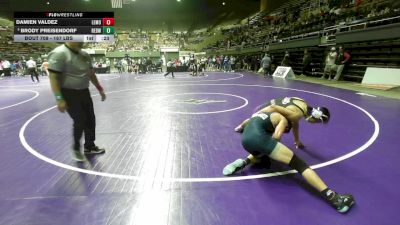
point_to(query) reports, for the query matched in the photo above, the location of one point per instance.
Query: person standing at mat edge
(70, 71)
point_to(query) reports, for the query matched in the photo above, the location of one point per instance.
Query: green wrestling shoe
(233, 167)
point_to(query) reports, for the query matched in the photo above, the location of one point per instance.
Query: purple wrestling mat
(167, 141)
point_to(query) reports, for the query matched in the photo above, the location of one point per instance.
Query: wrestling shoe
(239, 129)
(233, 167)
(343, 203)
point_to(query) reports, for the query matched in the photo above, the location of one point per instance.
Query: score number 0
(108, 21)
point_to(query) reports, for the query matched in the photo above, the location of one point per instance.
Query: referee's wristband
(59, 96)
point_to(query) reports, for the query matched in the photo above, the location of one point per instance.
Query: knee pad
(264, 162)
(298, 164)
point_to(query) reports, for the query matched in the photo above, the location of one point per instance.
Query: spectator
(266, 65)
(232, 62)
(306, 62)
(14, 68)
(108, 65)
(330, 63)
(6, 68)
(45, 67)
(285, 60)
(341, 60)
(1, 68)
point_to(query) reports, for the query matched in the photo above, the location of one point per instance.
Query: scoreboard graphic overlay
(64, 26)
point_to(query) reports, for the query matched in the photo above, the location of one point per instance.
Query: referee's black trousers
(80, 109)
(33, 72)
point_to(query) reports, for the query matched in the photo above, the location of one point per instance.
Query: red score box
(108, 21)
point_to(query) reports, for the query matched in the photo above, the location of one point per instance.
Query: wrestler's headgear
(318, 115)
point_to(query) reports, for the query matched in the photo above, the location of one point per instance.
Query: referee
(31, 64)
(70, 71)
(170, 68)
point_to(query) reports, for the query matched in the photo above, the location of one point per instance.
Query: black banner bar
(58, 22)
(63, 14)
(63, 38)
(58, 30)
